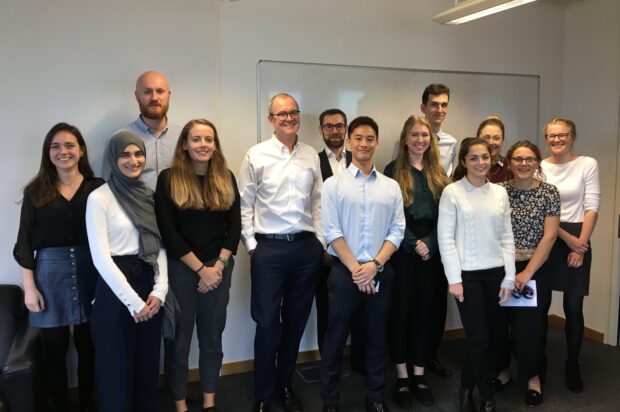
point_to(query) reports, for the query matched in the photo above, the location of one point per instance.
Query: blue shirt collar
(144, 128)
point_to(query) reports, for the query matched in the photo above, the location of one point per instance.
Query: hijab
(134, 197)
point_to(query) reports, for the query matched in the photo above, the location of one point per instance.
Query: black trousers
(55, 345)
(415, 317)
(321, 297)
(126, 352)
(523, 331)
(346, 303)
(480, 316)
(284, 278)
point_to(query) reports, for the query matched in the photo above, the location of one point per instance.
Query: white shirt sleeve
(247, 192)
(592, 189)
(160, 289)
(97, 229)
(446, 236)
(507, 244)
(315, 202)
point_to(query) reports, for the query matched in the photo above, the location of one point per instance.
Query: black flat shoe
(497, 385)
(487, 406)
(533, 398)
(402, 393)
(376, 406)
(261, 406)
(466, 400)
(330, 408)
(421, 390)
(438, 369)
(573, 377)
(209, 409)
(289, 400)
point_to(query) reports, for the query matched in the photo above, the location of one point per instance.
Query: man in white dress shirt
(435, 99)
(280, 186)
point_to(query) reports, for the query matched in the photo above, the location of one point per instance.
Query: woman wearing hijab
(125, 245)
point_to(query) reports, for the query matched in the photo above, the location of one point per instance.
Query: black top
(58, 223)
(421, 216)
(201, 231)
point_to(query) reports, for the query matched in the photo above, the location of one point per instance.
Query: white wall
(77, 61)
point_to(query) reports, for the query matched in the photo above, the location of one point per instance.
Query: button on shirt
(365, 211)
(280, 191)
(159, 150)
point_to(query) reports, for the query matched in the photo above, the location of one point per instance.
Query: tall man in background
(152, 125)
(280, 186)
(435, 99)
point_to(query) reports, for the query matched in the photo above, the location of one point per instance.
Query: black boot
(573, 377)
(466, 400)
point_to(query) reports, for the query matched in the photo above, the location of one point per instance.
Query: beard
(153, 112)
(334, 143)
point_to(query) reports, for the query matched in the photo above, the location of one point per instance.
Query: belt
(283, 236)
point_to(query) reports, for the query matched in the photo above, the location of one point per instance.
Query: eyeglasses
(284, 115)
(560, 136)
(328, 127)
(529, 160)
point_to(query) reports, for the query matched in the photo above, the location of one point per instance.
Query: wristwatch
(223, 260)
(378, 264)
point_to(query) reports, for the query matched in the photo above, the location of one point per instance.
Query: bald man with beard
(152, 125)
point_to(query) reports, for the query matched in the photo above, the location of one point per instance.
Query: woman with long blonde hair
(197, 207)
(419, 304)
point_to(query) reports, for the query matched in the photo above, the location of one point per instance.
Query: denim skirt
(66, 278)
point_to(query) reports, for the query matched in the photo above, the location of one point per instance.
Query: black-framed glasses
(529, 160)
(328, 127)
(560, 136)
(294, 114)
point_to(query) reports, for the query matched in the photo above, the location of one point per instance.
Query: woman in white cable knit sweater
(477, 250)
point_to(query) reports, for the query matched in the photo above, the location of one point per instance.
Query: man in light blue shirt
(152, 125)
(363, 222)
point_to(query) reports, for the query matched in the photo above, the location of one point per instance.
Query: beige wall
(77, 61)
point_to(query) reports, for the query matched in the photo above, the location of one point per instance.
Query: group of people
(149, 252)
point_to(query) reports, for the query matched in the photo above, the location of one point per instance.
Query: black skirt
(558, 276)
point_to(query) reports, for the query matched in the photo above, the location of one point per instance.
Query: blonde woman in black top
(56, 265)
(197, 207)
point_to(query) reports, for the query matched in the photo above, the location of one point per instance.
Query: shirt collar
(330, 153)
(281, 146)
(470, 188)
(356, 172)
(144, 128)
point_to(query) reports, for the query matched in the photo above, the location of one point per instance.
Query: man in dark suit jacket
(334, 158)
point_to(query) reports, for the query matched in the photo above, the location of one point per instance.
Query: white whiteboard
(390, 95)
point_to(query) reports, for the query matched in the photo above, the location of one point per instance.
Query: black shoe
(209, 409)
(330, 408)
(497, 385)
(488, 405)
(290, 402)
(573, 377)
(376, 406)
(402, 393)
(466, 400)
(421, 390)
(533, 398)
(261, 406)
(438, 369)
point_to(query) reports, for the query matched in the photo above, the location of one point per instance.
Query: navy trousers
(284, 278)
(126, 352)
(347, 303)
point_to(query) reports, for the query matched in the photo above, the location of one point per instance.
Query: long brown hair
(44, 186)
(217, 192)
(435, 175)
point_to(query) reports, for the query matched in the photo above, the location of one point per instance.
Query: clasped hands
(210, 277)
(577, 248)
(363, 275)
(153, 304)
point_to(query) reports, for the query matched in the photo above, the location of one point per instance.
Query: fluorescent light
(469, 10)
